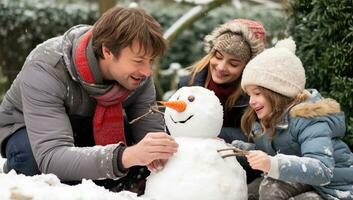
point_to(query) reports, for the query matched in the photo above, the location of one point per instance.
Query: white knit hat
(277, 69)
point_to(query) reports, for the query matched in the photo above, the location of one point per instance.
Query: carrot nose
(178, 105)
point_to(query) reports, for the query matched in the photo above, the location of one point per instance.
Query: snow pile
(48, 187)
(2, 161)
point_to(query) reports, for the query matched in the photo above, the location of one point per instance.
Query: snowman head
(199, 113)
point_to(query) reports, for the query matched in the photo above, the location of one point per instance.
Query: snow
(299, 169)
(343, 194)
(48, 187)
(2, 161)
(328, 151)
(304, 168)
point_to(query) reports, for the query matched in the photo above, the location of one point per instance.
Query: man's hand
(156, 165)
(154, 146)
(259, 160)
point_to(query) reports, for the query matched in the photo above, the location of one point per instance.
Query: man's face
(131, 67)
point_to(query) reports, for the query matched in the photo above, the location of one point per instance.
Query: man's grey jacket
(56, 110)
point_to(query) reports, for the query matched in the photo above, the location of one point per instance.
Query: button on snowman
(197, 171)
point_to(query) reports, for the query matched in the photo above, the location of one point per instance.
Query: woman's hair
(119, 27)
(241, 37)
(202, 64)
(279, 104)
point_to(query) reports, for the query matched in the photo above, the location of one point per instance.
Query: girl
(295, 131)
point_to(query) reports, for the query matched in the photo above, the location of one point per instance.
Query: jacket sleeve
(139, 105)
(184, 81)
(315, 165)
(50, 133)
(229, 134)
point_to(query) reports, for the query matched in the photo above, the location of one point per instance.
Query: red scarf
(222, 91)
(108, 121)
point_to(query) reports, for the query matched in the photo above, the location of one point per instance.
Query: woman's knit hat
(277, 69)
(241, 37)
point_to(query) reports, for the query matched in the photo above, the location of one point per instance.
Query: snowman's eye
(191, 98)
(177, 98)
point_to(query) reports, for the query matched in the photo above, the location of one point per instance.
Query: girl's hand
(259, 160)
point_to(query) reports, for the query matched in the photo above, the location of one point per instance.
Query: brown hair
(279, 104)
(119, 27)
(202, 64)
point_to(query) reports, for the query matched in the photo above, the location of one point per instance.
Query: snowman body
(197, 170)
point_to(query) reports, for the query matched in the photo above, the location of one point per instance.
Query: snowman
(194, 118)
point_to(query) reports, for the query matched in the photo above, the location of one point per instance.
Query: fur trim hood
(321, 109)
(316, 106)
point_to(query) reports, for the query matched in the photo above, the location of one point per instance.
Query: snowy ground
(48, 187)
(2, 160)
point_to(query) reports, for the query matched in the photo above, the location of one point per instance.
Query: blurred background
(322, 29)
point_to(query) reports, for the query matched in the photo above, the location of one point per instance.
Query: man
(64, 113)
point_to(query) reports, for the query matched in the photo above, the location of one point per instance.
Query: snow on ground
(48, 187)
(2, 160)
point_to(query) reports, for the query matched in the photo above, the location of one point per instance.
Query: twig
(153, 109)
(235, 152)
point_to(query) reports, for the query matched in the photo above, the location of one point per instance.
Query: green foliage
(3, 81)
(25, 26)
(323, 30)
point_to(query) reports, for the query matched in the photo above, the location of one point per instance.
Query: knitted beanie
(277, 69)
(241, 37)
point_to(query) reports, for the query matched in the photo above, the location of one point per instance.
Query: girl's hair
(279, 104)
(202, 64)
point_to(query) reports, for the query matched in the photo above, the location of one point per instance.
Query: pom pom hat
(277, 69)
(241, 37)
